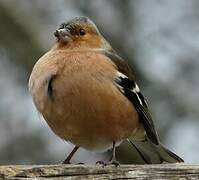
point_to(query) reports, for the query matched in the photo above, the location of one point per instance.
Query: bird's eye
(82, 32)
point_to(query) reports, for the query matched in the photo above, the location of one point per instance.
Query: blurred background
(160, 39)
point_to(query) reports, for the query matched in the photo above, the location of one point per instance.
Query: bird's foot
(66, 162)
(113, 162)
(102, 163)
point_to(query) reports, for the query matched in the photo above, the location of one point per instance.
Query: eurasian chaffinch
(88, 95)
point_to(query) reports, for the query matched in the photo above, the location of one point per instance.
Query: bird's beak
(63, 35)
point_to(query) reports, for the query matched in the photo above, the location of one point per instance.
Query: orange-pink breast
(86, 107)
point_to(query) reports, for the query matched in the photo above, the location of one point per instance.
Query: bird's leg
(67, 160)
(113, 157)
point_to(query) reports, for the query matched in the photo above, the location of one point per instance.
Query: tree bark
(163, 171)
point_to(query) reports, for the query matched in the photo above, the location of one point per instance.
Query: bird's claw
(100, 163)
(66, 162)
(112, 162)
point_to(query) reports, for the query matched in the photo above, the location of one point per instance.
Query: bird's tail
(154, 154)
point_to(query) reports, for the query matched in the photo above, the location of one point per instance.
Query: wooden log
(163, 171)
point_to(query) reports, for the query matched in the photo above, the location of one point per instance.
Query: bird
(88, 96)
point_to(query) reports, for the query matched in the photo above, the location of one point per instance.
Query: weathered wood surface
(164, 171)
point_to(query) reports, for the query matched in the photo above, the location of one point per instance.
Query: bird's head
(80, 33)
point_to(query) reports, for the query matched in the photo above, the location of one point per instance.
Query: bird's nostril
(56, 33)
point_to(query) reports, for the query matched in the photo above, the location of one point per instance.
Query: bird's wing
(127, 85)
(122, 66)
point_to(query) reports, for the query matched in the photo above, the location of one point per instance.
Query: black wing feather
(126, 84)
(140, 105)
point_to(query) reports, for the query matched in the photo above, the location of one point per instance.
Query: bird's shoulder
(121, 65)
